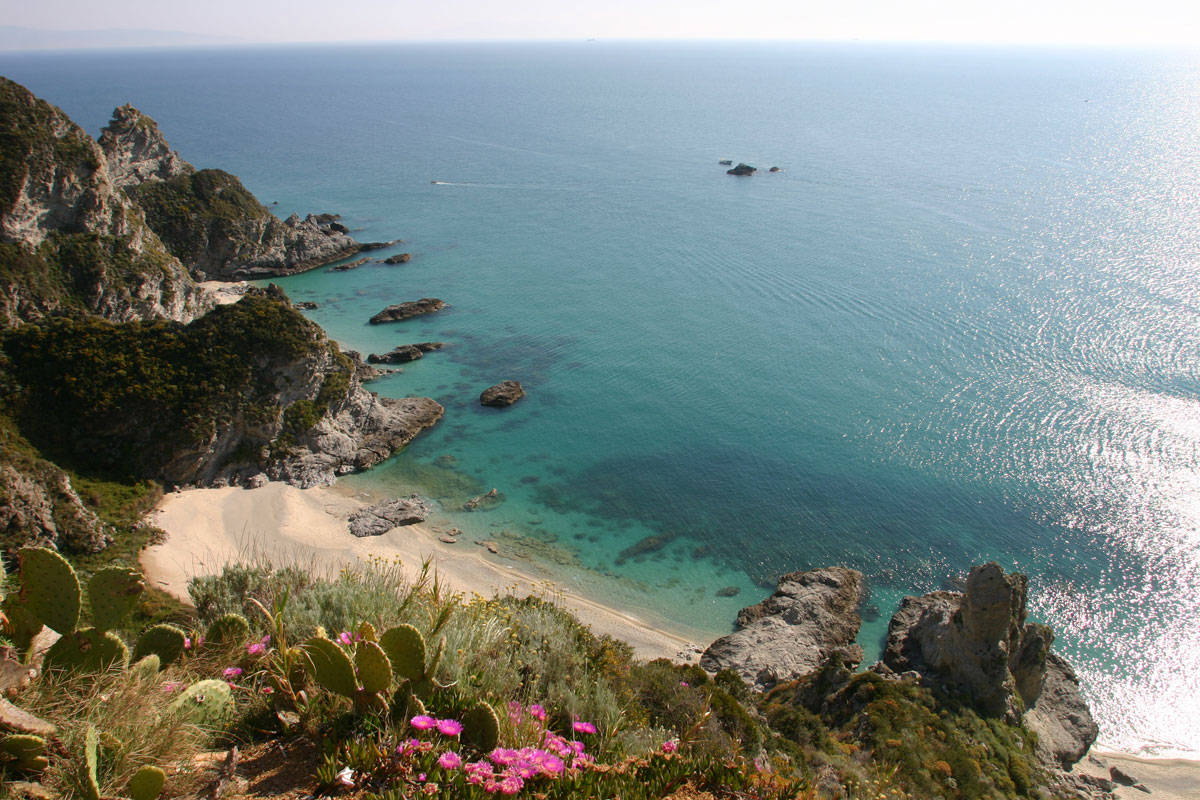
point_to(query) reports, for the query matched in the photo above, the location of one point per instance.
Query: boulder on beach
(383, 516)
(403, 311)
(504, 393)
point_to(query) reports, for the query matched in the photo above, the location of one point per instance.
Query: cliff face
(70, 240)
(207, 217)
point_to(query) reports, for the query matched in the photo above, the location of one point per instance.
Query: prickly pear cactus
(87, 650)
(28, 751)
(165, 641)
(208, 703)
(50, 589)
(229, 629)
(405, 648)
(145, 667)
(21, 625)
(113, 592)
(91, 761)
(374, 669)
(367, 632)
(481, 728)
(331, 666)
(147, 783)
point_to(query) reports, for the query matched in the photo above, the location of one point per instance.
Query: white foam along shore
(280, 524)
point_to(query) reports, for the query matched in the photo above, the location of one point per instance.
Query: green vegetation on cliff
(191, 213)
(129, 398)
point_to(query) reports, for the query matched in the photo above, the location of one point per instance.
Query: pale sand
(209, 528)
(225, 292)
(1166, 778)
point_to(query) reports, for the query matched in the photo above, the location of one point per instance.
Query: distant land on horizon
(17, 38)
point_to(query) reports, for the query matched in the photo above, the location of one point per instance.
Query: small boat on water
(726, 162)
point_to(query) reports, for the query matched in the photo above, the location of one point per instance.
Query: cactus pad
(147, 783)
(208, 703)
(331, 667)
(113, 592)
(165, 641)
(27, 750)
(87, 650)
(405, 648)
(374, 669)
(91, 760)
(50, 589)
(481, 728)
(231, 628)
(146, 666)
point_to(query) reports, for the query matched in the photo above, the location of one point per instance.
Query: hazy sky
(1070, 21)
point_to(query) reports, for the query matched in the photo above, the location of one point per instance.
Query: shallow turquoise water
(961, 324)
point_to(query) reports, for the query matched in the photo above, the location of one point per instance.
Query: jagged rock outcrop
(504, 393)
(39, 508)
(403, 311)
(70, 240)
(403, 258)
(977, 644)
(137, 151)
(383, 516)
(401, 355)
(207, 218)
(811, 616)
(742, 170)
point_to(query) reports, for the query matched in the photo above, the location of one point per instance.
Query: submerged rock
(504, 393)
(403, 311)
(485, 502)
(811, 616)
(401, 355)
(978, 644)
(383, 516)
(403, 258)
(355, 264)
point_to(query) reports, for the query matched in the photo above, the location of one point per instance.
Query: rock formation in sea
(978, 645)
(403, 258)
(811, 616)
(412, 308)
(380, 518)
(741, 170)
(207, 217)
(504, 393)
(405, 353)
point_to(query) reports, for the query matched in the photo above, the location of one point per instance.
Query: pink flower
(503, 756)
(449, 760)
(187, 643)
(172, 686)
(429, 788)
(583, 727)
(231, 672)
(421, 777)
(259, 647)
(684, 684)
(346, 777)
(422, 722)
(515, 711)
(552, 765)
(511, 784)
(537, 712)
(267, 690)
(449, 727)
(669, 746)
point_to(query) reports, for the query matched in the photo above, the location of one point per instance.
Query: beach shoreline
(280, 524)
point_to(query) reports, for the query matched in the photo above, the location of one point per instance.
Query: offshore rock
(502, 394)
(811, 616)
(978, 644)
(401, 355)
(403, 258)
(383, 516)
(403, 311)
(742, 169)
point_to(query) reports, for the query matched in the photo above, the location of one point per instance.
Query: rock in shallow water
(382, 517)
(403, 311)
(504, 393)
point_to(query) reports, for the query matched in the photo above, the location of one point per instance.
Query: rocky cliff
(70, 240)
(207, 217)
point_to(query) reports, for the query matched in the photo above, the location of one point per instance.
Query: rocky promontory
(811, 616)
(403, 311)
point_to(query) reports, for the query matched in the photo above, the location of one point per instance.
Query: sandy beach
(209, 528)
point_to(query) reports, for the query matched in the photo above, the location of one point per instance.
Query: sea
(960, 323)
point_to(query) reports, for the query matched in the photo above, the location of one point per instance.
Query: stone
(978, 645)
(305, 305)
(484, 502)
(811, 617)
(1122, 777)
(355, 264)
(401, 355)
(742, 169)
(403, 258)
(366, 247)
(502, 394)
(383, 516)
(774, 169)
(403, 311)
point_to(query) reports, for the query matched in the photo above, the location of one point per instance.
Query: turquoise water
(963, 322)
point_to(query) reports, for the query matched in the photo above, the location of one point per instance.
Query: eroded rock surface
(403, 311)
(383, 516)
(811, 616)
(502, 394)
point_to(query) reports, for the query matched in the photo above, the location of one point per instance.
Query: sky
(1133, 22)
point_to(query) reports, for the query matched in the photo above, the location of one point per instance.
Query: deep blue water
(963, 323)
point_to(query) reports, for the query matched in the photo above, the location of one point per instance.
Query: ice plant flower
(172, 686)
(583, 727)
(422, 722)
(346, 777)
(231, 672)
(669, 746)
(449, 727)
(259, 647)
(511, 784)
(449, 760)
